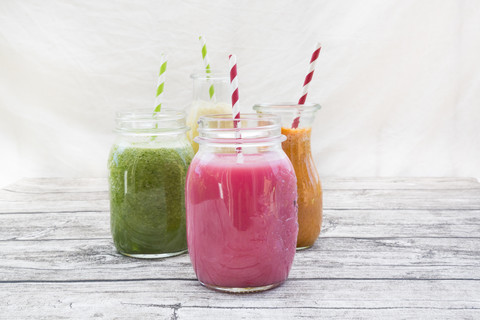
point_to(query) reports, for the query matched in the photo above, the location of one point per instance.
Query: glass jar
(148, 165)
(297, 147)
(241, 194)
(211, 95)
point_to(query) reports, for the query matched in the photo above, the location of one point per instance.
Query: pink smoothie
(241, 218)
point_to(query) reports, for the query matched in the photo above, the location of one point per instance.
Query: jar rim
(147, 122)
(288, 107)
(262, 133)
(148, 113)
(243, 116)
(213, 75)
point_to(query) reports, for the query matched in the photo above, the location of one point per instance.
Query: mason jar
(296, 123)
(241, 194)
(148, 165)
(211, 95)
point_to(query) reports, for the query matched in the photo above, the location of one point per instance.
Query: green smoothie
(147, 198)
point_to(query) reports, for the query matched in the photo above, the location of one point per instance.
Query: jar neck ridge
(144, 122)
(254, 132)
(288, 112)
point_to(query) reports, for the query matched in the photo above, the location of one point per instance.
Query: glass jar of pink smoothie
(241, 204)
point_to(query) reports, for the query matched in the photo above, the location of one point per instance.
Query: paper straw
(206, 62)
(307, 81)
(234, 90)
(160, 83)
(232, 59)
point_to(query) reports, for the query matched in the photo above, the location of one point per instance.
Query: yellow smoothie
(202, 108)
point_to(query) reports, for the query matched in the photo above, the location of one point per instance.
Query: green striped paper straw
(160, 83)
(206, 62)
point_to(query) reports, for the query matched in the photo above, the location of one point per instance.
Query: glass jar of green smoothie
(148, 165)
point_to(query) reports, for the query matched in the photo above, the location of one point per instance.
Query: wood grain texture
(355, 258)
(336, 223)
(464, 194)
(60, 185)
(150, 297)
(404, 248)
(371, 199)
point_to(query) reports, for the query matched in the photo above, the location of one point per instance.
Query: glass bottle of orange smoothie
(298, 149)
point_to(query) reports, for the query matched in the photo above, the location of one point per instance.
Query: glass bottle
(211, 95)
(241, 193)
(148, 165)
(298, 148)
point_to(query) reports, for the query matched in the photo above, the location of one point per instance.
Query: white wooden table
(389, 248)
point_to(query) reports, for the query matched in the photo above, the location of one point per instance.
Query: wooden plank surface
(24, 197)
(355, 258)
(74, 185)
(339, 199)
(336, 223)
(149, 298)
(390, 248)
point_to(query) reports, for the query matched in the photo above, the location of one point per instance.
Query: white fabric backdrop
(399, 81)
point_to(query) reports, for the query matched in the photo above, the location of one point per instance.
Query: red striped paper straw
(307, 81)
(232, 59)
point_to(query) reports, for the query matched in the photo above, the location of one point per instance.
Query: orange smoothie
(297, 148)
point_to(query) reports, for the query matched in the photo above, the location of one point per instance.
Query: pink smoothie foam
(241, 219)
